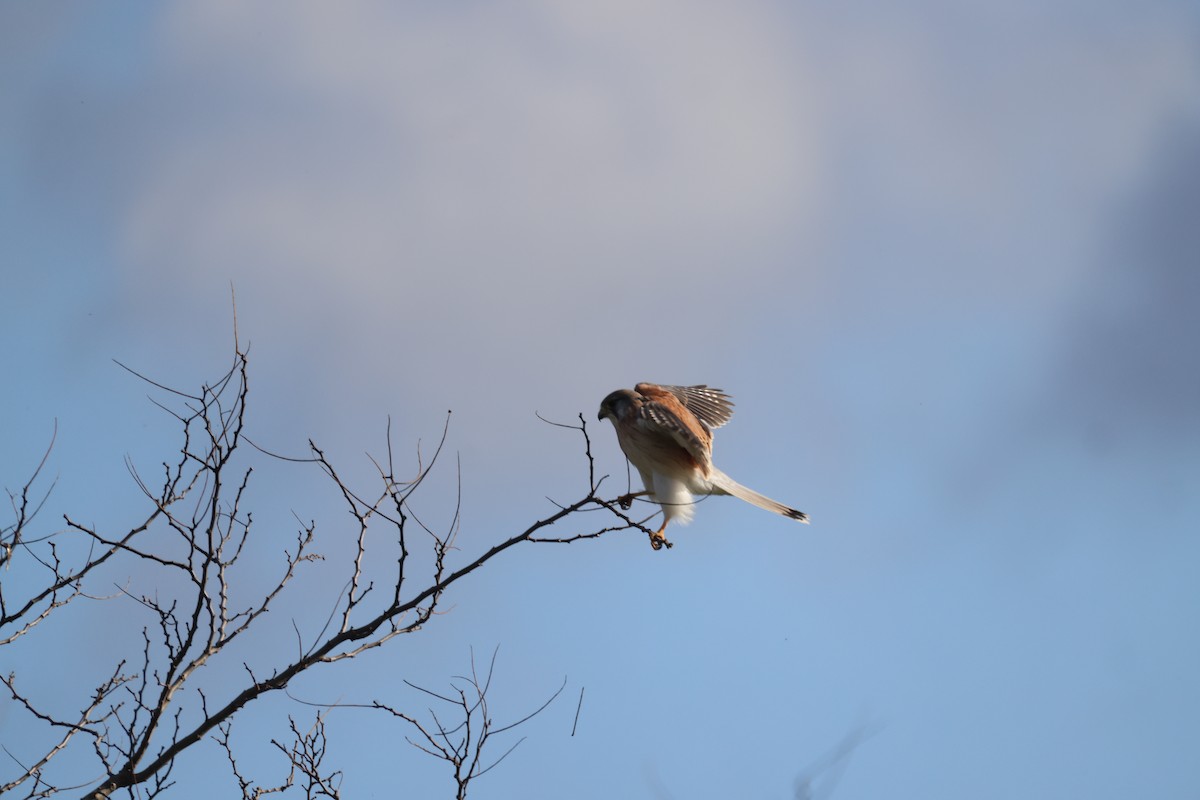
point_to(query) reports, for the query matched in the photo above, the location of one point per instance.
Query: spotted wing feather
(711, 406)
(662, 412)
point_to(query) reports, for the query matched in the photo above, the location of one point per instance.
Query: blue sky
(943, 255)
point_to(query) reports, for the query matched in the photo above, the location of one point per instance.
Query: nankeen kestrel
(666, 432)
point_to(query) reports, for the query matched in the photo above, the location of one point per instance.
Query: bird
(666, 432)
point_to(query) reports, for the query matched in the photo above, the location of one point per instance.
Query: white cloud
(471, 141)
(510, 156)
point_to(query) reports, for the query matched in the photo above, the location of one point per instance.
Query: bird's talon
(625, 501)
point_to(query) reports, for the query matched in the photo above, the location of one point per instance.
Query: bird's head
(616, 404)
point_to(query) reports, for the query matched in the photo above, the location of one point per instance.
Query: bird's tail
(723, 484)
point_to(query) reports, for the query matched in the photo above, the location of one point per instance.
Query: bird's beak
(600, 416)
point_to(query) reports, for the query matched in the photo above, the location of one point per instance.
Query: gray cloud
(1131, 366)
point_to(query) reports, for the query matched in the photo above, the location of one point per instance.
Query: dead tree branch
(188, 577)
(462, 745)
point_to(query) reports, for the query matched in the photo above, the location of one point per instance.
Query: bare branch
(462, 746)
(182, 566)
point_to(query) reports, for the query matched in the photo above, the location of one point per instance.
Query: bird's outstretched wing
(711, 406)
(662, 412)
